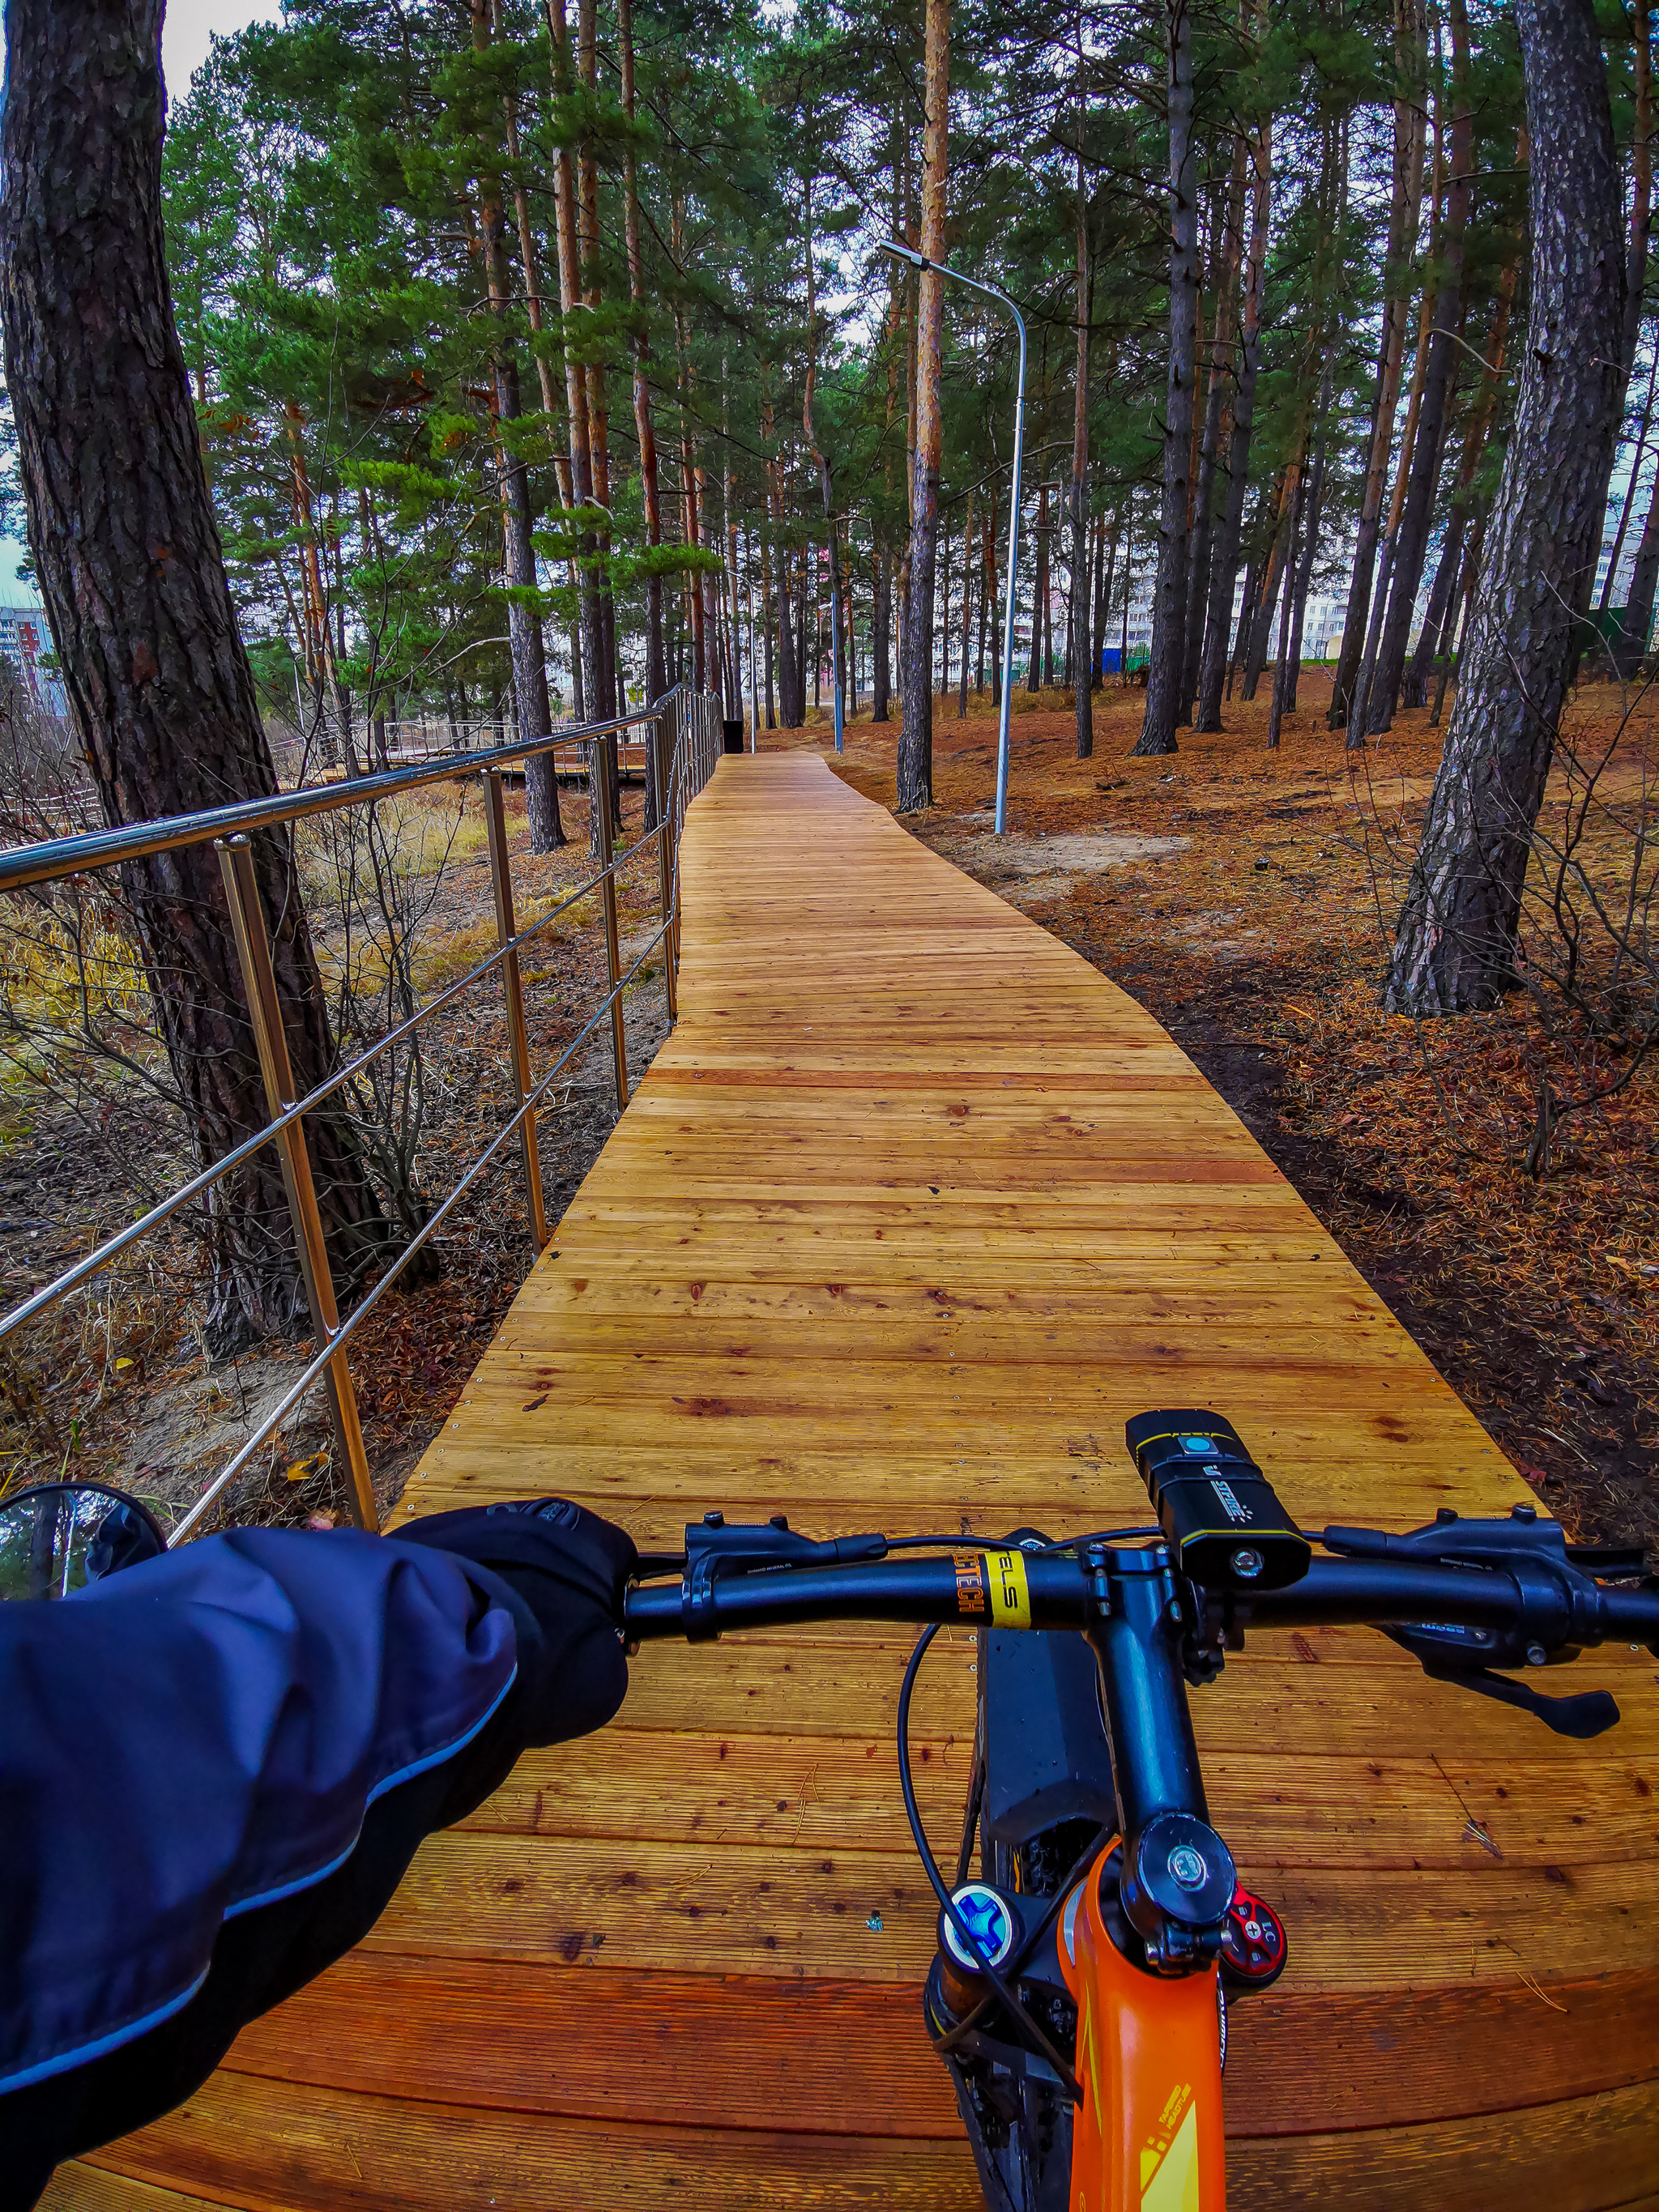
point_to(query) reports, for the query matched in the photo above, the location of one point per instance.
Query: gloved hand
(569, 1568)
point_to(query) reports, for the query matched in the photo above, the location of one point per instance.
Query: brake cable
(946, 2043)
(1023, 2024)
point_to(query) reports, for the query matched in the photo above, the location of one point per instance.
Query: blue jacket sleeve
(203, 1736)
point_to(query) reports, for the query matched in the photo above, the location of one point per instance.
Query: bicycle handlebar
(1053, 1590)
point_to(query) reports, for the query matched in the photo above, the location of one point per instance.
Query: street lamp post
(920, 261)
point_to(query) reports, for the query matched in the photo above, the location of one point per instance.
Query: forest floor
(118, 1386)
(1246, 899)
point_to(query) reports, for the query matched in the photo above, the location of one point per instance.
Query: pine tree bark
(1637, 628)
(1227, 259)
(1262, 623)
(523, 623)
(1039, 600)
(130, 568)
(1083, 691)
(656, 675)
(541, 781)
(881, 635)
(598, 412)
(826, 487)
(789, 686)
(1442, 606)
(1455, 941)
(1224, 571)
(571, 304)
(1167, 672)
(1411, 52)
(1412, 543)
(916, 746)
(1304, 571)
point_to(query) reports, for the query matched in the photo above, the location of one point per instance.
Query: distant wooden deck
(911, 1211)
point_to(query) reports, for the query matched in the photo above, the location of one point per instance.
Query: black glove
(568, 1569)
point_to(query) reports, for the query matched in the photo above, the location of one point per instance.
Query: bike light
(1224, 1527)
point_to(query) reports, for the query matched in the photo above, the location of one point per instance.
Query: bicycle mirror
(1226, 1528)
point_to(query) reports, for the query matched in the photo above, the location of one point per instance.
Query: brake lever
(715, 1551)
(1589, 1713)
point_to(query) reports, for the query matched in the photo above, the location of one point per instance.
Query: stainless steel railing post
(501, 876)
(603, 801)
(247, 922)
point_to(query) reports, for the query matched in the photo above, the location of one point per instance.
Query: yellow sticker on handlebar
(1011, 1598)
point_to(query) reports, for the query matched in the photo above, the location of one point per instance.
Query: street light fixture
(919, 261)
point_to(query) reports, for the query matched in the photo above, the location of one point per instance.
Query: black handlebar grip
(1225, 1528)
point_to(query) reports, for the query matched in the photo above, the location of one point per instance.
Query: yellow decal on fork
(1011, 1599)
(1169, 2164)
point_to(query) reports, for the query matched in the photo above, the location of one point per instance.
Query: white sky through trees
(188, 24)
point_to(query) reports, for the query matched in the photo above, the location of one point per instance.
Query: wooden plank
(283, 2146)
(78, 2187)
(1590, 2154)
(830, 1793)
(869, 1916)
(747, 2053)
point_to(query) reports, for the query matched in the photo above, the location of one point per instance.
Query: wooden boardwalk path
(913, 1210)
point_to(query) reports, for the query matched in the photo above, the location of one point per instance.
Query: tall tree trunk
(1361, 703)
(656, 678)
(825, 487)
(541, 782)
(766, 630)
(1443, 604)
(1223, 569)
(1166, 670)
(1282, 667)
(1034, 673)
(1641, 211)
(599, 412)
(1104, 600)
(789, 712)
(1413, 542)
(1627, 505)
(523, 621)
(1083, 691)
(1637, 628)
(571, 304)
(160, 689)
(915, 748)
(987, 586)
(967, 606)
(997, 674)
(1309, 543)
(1455, 943)
(881, 634)
(1260, 630)
(1227, 259)
(1410, 111)
(1414, 684)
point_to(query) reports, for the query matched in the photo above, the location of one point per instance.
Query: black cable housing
(1023, 2025)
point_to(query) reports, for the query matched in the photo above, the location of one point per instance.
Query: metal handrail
(42, 1300)
(25, 865)
(681, 774)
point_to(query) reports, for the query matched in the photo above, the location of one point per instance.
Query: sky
(188, 24)
(185, 30)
